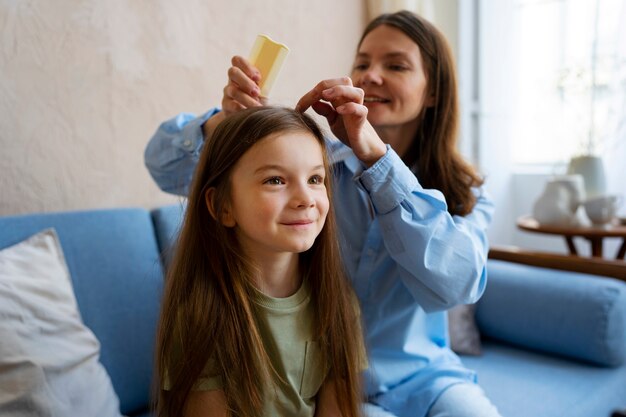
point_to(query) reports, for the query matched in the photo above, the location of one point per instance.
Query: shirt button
(187, 143)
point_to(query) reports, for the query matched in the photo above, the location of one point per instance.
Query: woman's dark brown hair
(207, 311)
(433, 154)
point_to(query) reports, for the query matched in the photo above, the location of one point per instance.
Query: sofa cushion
(48, 357)
(522, 383)
(167, 223)
(114, 264)
(576, 315)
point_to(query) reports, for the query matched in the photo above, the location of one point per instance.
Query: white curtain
(614, 134)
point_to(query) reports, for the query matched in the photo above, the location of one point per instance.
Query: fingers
(240, 79)
(230, 106)
(362, 138)
(316, 94)
(352, 109)
(246, 67)
(242, 90)
(234, 93)
(341, 94)
(323, 109)
(326, 110)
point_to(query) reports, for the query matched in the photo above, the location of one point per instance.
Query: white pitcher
(559, 202)
(575, 185)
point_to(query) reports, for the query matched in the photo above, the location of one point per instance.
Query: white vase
(592, 170)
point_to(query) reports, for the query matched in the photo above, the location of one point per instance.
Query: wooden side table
(594, 234)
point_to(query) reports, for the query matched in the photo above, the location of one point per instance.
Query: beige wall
(84, 83)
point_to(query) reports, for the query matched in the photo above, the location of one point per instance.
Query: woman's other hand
(241, 92)
(342, 105)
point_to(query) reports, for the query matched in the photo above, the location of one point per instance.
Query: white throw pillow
(48, 358)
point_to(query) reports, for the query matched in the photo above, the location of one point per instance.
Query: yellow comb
(268, 57)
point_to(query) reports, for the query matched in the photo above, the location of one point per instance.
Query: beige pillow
(464, 334)
(48, 358)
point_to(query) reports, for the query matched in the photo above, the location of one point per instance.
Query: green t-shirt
(295, 356)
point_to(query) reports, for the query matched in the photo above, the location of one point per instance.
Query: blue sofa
(554, 342)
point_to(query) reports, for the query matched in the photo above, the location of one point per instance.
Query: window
(570, 82)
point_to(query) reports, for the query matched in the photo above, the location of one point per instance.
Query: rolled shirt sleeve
(442, 257)
(172, 153)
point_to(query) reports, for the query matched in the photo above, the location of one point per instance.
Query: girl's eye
(360, 67)
(316, 179)
(274, 181)
(395, 67)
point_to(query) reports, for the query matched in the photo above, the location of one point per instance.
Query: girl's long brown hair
(433, 154)
(207, 311)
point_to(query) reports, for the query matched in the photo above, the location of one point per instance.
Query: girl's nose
(307, 204)
(303, 197)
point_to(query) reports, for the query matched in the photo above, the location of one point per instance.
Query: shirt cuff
(388, 182)
(192, 137)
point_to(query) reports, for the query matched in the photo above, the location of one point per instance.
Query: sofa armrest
(592, 266)
(566, 313)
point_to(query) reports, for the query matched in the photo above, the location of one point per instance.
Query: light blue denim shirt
(409, 260)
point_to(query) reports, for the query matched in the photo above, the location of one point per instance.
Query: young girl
(258, 318)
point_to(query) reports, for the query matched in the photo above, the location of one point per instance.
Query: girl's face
(278, 197)
(389, 68)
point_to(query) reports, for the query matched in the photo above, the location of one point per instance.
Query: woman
(411, 213)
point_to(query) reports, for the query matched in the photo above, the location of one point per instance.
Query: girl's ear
(430, 101)
(227, 218)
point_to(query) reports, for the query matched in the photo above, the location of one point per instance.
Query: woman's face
(389, 68)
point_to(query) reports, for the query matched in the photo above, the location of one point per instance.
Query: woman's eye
(273, 181)
(360, 67)
(316, 179)
(395, 67)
